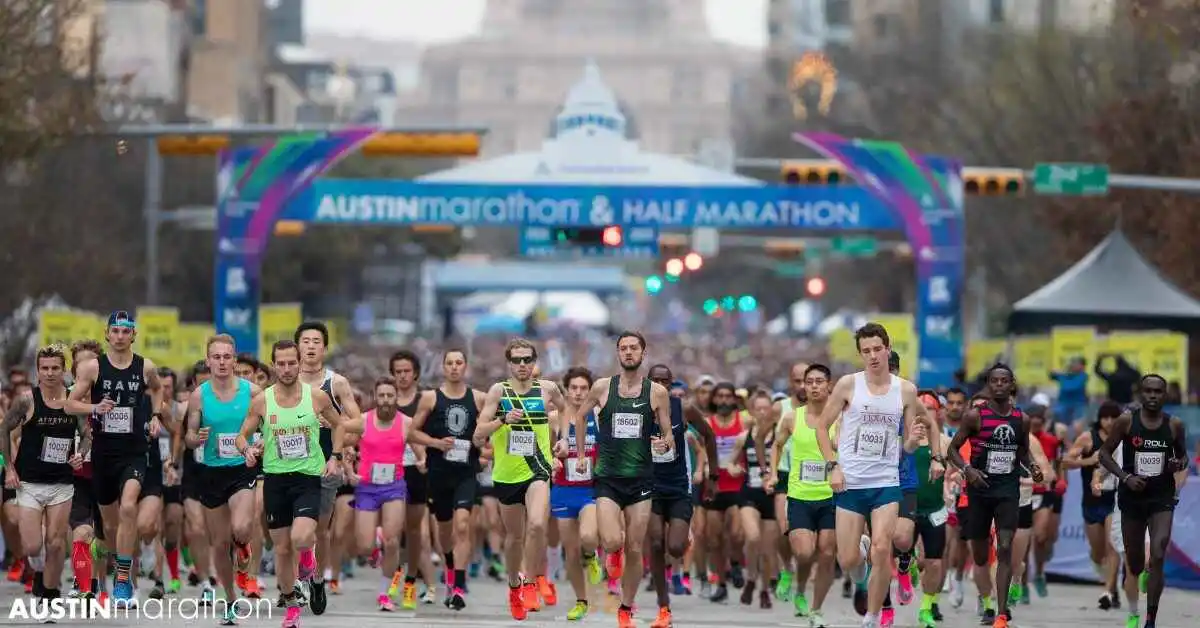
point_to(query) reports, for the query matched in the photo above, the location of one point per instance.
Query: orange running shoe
(1000, 622)
(547, 590)
(335, 587)
(516, 603)
(16, 570)
(529, 596)
(663, 620)
(614, 564)
(240, 580)
(252, 590)
(625, 619)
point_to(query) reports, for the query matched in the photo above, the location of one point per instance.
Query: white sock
(1133, 606)
(554, 560)
(37, 563)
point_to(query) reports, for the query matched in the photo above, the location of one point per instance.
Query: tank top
(673, 469)
(726, 438)
(410, 410)
(522, 450)
(787, 411)
(568, 475)
(290, 436)
(1052, 447)
(1147, 453)
(125, 430)
(1108, 486)
(994, 452)
(929, 494)
(224, 421)
(623, 434)
(869, 442)
(807, 481)
(454, 418)
(326, 432)
(380, 448)
(754, 468)
(47, 443)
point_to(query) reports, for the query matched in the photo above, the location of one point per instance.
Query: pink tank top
(380, 452)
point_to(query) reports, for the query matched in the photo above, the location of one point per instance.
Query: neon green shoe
(174, 585)
(783, 590)
(914, 571)
(925, 618)
(591, 567)
(1133, 621)
(578, 612)
(1143, 579)
(1014, 594)
(801, 604)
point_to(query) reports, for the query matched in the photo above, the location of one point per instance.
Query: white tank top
(869, 442)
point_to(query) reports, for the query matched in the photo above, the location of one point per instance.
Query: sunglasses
(522, 359)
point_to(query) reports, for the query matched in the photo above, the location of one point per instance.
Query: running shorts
(674, 507)
(931, 534)
(723, 501)
(84, 509)
(908, 505)
(512, 494)
(759, 500)
(219, 484)
(153, 485)
(813, 516)
(289, 496)
(450, 491)
(864, 501)
(566, 502)
(417, 484)
(109, 476)
(986, 509)
(329, 492)
(42, 496)
(372, 497)
(624, 491)
(1025, 517)
(1048, 500)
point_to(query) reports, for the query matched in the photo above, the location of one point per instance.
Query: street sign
(865, 246)
(790, 269)
(1071, 179)
(638, 243)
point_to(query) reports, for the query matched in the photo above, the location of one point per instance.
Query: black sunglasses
(522, 359)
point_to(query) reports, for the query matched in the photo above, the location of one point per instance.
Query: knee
(881, 551)
(242, 530)
(589, 539)
(657, 544)
(536, 528)
(148, 529)
(1158, 551)
(825, 554)
(391, 544)
(611, 539)
(82, 534)
(32, 547)
(1004, 549)
(301, 539)
(128, 510)
(56, 545)
(676, 548)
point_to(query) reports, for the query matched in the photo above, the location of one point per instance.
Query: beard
(629, 368)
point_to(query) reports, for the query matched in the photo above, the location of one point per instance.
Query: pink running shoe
(904, 588)
(385, 603)
(887, 618)
(291, 619)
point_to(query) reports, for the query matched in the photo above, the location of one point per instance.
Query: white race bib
(293, 446)
(573, 475)
(626, 425)
(56, 450)
(1109, 483)
(227, 446)
(872, 441)
(1036, 502)
(1026, 495)
(459, 452)
(164, 449)
(198, 454)
(755, 480)
(1149, 464)
(1001, 462)
(812, 471)
(667, 456)
(383, 473)
(522, 443)
(119, 421)
(410, 456)
(939, 517)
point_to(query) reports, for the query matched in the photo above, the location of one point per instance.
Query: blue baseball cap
(121, 318)
(679, 384)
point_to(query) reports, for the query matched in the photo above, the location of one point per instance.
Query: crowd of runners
(137, 481)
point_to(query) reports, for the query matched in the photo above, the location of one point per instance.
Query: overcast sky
(736, 21)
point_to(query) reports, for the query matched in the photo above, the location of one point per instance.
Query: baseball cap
(1040, 399)
(679, 384)
(121, 318)
(706, 380)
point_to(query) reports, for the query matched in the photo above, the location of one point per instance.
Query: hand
(76, 462)
(1178, 464)
(769, 482)
(156, 427)
(561, 448)
(1135, 482)
(917, 434)
(735, 470)
(514, 416)
(11, 481)
(581, 465)
(1097, 488)
(556, 465)
(333, 468)
(350, 455)
(936, 470)
(421, 466)
(1035, 474)
(444, 444)
(251, 456)
(660, 445)
(105, 406)
(837, 480)
(202, 434)
(697, 477)
(976, 478)
(172, 474)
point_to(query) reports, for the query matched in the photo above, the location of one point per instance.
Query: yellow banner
(1127, 344)
(904, 340)
(337, 332)
(89, 326)
(158, 333)
(58, 327)
(1031, 360)
(983, 353)
(841, 347)
(276, 321)
(192, 340)
(1072, 342)
(1166, 353)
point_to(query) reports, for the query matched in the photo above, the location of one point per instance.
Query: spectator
(1072, 391)
(1121, 380)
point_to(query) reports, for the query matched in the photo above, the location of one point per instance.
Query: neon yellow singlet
(807, 480)
(522, 451)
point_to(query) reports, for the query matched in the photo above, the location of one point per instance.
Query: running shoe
(157, 592)
(229, 616)
(123, 594)
(614, 565)
(625, 618)
(409, 601)
(516, 603)
(208, 594)
(174, 585)
(458, 600)
(800, 604)
(783, 590)
(547, 591)
(904, 587)
(925, 619)
(291, 618)
(578, 612)
(1039, 585)
(663, 620)
(529, 597)
(385, 603)
(317, 600)
(887, 618)
(816, 619)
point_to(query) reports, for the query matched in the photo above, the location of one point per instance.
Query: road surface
(1067, 606)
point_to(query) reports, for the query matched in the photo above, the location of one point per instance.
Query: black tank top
(410, 409)
(326, 435)
(994, 452)
(125, 430)
(47, 442)
(455, 418)
(1087, 472)
(754, 468)
(673, 470)
(1147, 452)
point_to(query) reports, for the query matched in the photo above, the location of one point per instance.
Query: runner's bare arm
(1074, 457)
(761, 432)
(192, 437)
(1120, 428)
(416, 431)
(781, 439)
(660, 402)
(914, 413)
(154, 389)
(488, 422)
(18, 413)
(1180, 454)
(84, 428)
(838, 399)
(345, 393)
(179, 440)
(253, 422)
(552, 394)
(323, 406)
(80, 400)
(967, 428)
(1024, 456)
(696, 420)
(598, 391)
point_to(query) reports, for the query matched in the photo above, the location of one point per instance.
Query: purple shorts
(372, 497)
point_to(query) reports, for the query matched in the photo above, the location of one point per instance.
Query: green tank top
(693, 435)
(623, 434)
(522, 450)
(929, 494)
(291, 436)
(807, 480)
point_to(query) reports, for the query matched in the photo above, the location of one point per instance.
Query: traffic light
(674, 269)
(815, 287)
(612, 236)
(654, 284)
(590, 236)
(813, 172)
(747, 303)
(673, 245)
(730, 303)
(693, 262)
(711, 307)
(994, 181)
(784, 249)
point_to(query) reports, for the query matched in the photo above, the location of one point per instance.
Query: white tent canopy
(589, 146)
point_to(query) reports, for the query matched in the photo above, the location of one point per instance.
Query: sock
(187, 556)
(124, 563)
(460, 578)
(903, 561)
(449, 569)
(81, 566)
(242, 548)
(172, 554)
(323, 575)
(987, 602)
(410, 580)
(928, 600)
(1133, 607)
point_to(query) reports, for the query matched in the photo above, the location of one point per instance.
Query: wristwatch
(337, 455)
(829, 466)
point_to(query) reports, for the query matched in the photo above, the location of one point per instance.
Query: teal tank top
(224, 420)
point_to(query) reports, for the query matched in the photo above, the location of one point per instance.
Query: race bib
(1001, 462)
(56, 450)
(293, 446)
(459, 452)
(1026, 495)
(164, 449)
(1149, 464)
(626, 425)
(573, 474)
(119, 421)
(755, 480)
(812, 471)
(725, 446)
(872, 441)
(410, 456)
(227, 446)
(522, 443)
(1109, 483)
(383, 473)
(198, 455)
(1036, 502)
(667, 456)
(939, 517)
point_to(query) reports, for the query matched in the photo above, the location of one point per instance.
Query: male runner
(1155, 448)
(190, 486)
(405, 368)
(445, 424)
(999, 437)
(216, 411)
(290, 415)
(930, 513)
(785, 413)
(625, 450)
(874, 406)
(250, 369)
(87, 531)
(42, 471)
(172, 518)
(1047, 500)
(672, 508)
(312, 338)
(723, 535)
(521, 473)
(811, 514)
(121, 390)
